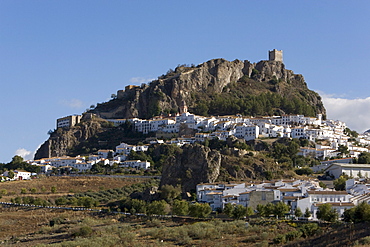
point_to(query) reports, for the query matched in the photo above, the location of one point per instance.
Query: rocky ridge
(192, 85)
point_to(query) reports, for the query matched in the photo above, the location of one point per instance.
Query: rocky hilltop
(218, 87)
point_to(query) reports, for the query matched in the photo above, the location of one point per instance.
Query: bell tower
(183, 107)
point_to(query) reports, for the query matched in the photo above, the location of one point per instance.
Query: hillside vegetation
(218, 87)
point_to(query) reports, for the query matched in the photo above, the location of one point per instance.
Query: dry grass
(18, 221)
(64, 185)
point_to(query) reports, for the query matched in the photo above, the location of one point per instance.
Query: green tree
(138, 206)
(298, 212)
(340, 183)
(266, 210)
(327, 213)
(269, 209)
(17, 160)
(359, 213)
(200, 210)
(362, 212)
(280, 209)
(239, 212)
(351, 133)
(343, 150)
(180, 207)
(304, 171)
(97, 168)
(250, 211)
(158, 207)
(87, 202)
(23, 191)
(261, 210)
(364, 158)
(33, 190)
(307, 213)
(61, 201)
(11, 174)
(169, 192)
(322, 185)
(228, 209)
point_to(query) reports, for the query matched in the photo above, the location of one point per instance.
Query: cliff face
(61, 142)
(194, 84)
(195, 164)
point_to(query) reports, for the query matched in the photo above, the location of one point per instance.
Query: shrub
(84, 231)
(127, 238)
(154, 223)
(364, 241)
(309, 229)
(290, 236)
(279, 239)
(304, 171)
(202, 230)
(53, 189)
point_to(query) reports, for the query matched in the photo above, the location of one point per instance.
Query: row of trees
(279, 209)
(18, 163)
(161, 207)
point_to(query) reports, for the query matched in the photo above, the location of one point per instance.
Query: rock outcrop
(190, 85)
(195, 164)
(216, 87)
(63, 141)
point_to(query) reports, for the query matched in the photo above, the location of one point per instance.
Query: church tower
(183, 107)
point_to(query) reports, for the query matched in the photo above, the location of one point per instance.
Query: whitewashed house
(19, 175)
(104, 153)
(138, 164)
(352, 170)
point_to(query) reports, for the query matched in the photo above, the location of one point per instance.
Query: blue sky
(59, 57)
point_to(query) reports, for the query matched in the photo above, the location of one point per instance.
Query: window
(263, 196)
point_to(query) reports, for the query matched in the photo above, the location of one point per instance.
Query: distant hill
(218, 87)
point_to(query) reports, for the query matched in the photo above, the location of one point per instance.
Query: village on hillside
(330, 137)
(334, 142)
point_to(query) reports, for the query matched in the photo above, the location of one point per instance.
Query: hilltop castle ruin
(276, 55)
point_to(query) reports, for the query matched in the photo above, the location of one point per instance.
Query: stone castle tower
(276, 55)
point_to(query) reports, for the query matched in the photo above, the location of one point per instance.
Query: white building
(340, 200)
(125, 149)
(19, 175)
(247, 132)
(68, 121)
(138, 164)
(104, 153)
(352, 170)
